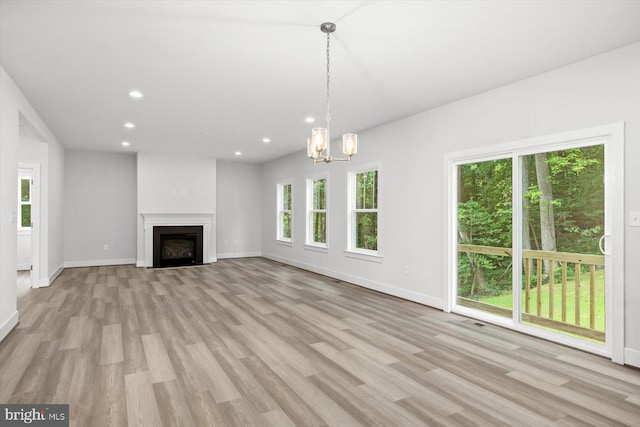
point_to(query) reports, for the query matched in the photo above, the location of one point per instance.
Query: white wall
(53, 222)
(99, 208)
(600, 90)
(239, 220)
(171, 184)
(13, 106)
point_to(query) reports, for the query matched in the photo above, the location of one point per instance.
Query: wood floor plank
(255, 342)
(462, 389)
(502, 360)
(75, 332)
(277, 418)
(142, 408)
(32, 315)
(159, 288)
(214, 376)
(322, 404)
(172, 404)
(157, 359)
(11, 372)
(612, 371)
(634, 398)
(628, 417)
(291, 403)
(35, 373)
(111, 406)
(111, 344)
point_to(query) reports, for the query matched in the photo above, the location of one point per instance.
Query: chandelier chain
(328, 118)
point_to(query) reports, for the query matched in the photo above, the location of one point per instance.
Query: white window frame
(613, 138)
(280, 212)
(22, 176)
(309, 243)
(351, 250)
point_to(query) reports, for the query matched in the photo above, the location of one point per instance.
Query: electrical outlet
(405, 271)
(634, 218)
(106, 247)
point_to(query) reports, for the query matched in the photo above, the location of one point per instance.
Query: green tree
(484, 218)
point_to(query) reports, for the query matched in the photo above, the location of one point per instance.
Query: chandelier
(319, 145)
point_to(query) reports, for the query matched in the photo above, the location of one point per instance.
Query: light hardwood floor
(254, 342)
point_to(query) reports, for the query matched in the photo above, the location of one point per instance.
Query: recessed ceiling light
(266, 140)
(309, 119)
(238, 153)
(125, 143)
(129, 125)
(136, 94)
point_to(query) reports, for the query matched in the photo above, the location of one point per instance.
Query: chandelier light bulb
(349, 144)
(311, 149)
(319, 138)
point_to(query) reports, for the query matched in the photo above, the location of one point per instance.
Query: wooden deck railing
(533, 260)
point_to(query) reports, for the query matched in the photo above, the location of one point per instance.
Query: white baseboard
(226, 255)
(47, 281)
(99, 262)
(632, 357)
(8, 326)
(365, 283)
(23, 267)
(140, 263)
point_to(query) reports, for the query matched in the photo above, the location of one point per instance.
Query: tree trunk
(526, 229)
(479, 282)
(547, 222)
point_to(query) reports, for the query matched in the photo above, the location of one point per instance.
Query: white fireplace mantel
(206, 220)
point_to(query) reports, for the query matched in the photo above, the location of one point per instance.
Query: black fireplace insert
(175, 246)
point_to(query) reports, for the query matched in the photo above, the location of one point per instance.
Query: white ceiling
(219, 76)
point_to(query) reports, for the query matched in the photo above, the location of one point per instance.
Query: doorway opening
(28, 226)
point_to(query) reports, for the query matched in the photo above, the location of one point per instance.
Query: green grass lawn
(505, 300)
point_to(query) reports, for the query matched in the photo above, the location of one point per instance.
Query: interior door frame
(612, 136)
(35, 221)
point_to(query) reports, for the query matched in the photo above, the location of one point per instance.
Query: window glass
(285, 213)
(364, 212)
(317, 211)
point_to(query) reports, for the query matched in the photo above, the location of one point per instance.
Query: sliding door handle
(601, 244)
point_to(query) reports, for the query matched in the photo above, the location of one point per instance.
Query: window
(317, 212)
(363, 215)
(24, 203)
(285, 212)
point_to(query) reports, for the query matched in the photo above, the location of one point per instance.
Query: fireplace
(177, 246)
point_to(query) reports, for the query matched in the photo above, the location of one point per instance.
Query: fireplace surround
(152, 220)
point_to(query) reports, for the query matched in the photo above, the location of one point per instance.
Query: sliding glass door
(531, 234)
